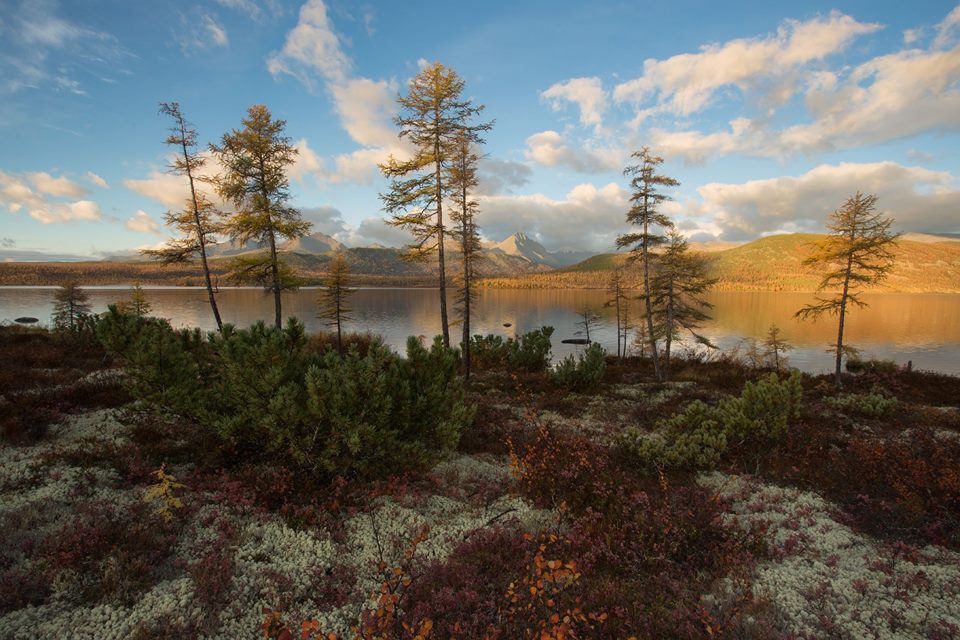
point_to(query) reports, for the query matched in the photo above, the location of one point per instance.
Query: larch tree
(70, 303)
(588, 319)
(334, 297)
(645, 200)
(255, 161)
(775, 346)
(677, 292)
(432, 115)
(197, 222)
(616, 287)
(857, 253)
(463, 181)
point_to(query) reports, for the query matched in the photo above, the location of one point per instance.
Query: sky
(769, 114)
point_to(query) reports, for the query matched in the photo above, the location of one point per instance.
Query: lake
(924, 328)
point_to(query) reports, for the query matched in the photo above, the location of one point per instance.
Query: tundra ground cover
(537, 525)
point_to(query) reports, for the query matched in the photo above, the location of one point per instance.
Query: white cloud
(199, 30)
(97, 180)
(946, 30)
(364, 106)
(587, 218)
(919, 199)
(16, 195)
(548, 148)
(62, 186)
(45, 50)
(311, 46)
(586, 93)
(686, 83)
(141, 222)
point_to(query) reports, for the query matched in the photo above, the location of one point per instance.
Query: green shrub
(368, 412)
(530, 351)
(858, 365)
(580, 372)
(263, 390)
(874, 405)
(699, 436)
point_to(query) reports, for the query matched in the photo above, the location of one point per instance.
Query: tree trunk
(275, 270)
(200, 235)
(443, 273)
(843, 313)
(617, 294)
(649, 304)
(669, 337)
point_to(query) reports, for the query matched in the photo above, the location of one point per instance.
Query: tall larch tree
(677, 294)
(645, 200)
(334, 297)
(463, 182)
(255, 161)
(197, 222)
(432, 115)
(857, 253)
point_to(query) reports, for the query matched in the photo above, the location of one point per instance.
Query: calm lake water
(924, 328)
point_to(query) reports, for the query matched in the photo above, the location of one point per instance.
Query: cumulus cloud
(141, 222)
(97, 180)
(325, 219)
(549, 149)
(365, 107)
(686, 83)
(587, 93)
(587, 218)
(887, 97)
(501, 176)
(62, 186)
(919, 199)
(17, 195)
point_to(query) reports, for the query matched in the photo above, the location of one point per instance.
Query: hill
(774, 263)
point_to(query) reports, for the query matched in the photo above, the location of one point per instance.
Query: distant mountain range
(924, 263)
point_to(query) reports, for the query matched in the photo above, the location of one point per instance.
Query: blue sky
(769, 114)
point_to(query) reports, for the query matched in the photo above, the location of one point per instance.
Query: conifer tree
(255, 160)
(463, 181)
(775, 346)
(616, 287)
(70, 304)
(196, 222)
(857, 253)
(677, 292)
(644, 212)
(333, 298)
(138, 302)
(433, 114)
(588, 319)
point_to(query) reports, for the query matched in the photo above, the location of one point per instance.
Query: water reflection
(924, 328)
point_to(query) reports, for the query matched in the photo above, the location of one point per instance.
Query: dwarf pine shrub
(700, 435)
(262, 390)
(529, 351)
(580, 372)
(873, 405)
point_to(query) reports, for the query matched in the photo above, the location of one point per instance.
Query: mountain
(313, 243)
(775, 263)
(522, 246)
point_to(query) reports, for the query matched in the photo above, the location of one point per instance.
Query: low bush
(582, 372)
(267, 390)
(699, 436)
(530, 351)
(873, 405)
